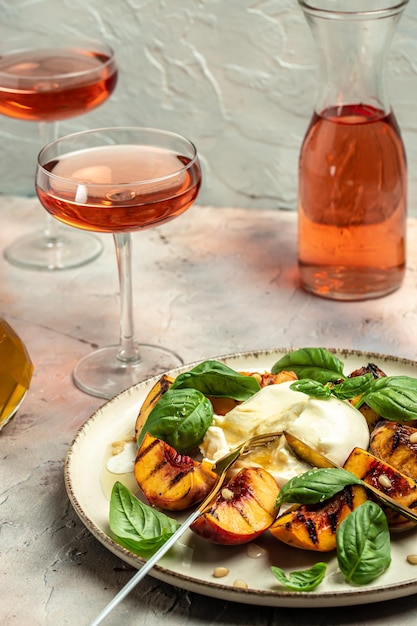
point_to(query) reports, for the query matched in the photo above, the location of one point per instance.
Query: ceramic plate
(190, 563)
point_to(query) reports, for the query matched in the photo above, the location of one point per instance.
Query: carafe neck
(353, 46)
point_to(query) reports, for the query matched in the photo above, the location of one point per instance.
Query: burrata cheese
(331, 426)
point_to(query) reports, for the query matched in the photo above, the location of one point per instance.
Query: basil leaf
(316, 485)
(315, 363)
(303, 580)
(216, 379)
(137, 526)
(393, 397)
(345, 390)
(181, 418)
(312, 388)
(352, 387)
(363, 544)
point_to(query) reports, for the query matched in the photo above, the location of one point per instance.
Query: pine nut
(240, 584)
(384, 481)
(117, 444)
(413, 438)
(227, 494)
(220, 572)
(412, 558)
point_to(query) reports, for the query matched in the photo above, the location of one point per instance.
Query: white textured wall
(236, 76)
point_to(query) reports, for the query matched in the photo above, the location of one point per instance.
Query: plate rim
(261, 597)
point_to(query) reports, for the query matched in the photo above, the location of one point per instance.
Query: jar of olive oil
(16, 370)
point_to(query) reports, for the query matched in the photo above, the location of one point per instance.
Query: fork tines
(261, 440)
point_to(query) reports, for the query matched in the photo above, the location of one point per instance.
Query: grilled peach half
(242, 510)
(169, 480)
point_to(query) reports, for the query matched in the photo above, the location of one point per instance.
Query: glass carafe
(352, 193)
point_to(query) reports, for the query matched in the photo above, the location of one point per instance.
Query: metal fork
(221, 467)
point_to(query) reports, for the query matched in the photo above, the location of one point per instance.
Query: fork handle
(141, 573)
(220, 468)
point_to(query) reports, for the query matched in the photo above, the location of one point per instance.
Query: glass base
(350, 284)
(70, 249)
(101, 373)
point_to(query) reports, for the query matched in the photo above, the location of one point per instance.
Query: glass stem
(48, 131)
(129, 351)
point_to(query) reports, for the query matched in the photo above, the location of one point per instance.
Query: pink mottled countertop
(216, 281)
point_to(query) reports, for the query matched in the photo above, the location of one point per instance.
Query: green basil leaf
(312, 388)
(363, 544)
(393, 397)
(137, 526)
(218, 380)
(181, 418)
(316, 485)
(315, 363)
(352, 387)
(302, 580)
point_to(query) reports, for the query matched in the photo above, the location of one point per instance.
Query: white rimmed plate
(190, 563)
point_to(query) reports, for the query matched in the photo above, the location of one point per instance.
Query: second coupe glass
(45, 80)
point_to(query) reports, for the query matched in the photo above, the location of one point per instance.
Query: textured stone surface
(237, 76)
(215, 281)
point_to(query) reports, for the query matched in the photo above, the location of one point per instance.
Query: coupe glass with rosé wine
(46, 80)
(119, 180)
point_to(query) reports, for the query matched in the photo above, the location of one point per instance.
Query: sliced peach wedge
(314, 526)
(151, 400)
(389, 481)
(243, 509)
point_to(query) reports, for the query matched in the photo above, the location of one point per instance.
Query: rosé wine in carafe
(352, 195)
